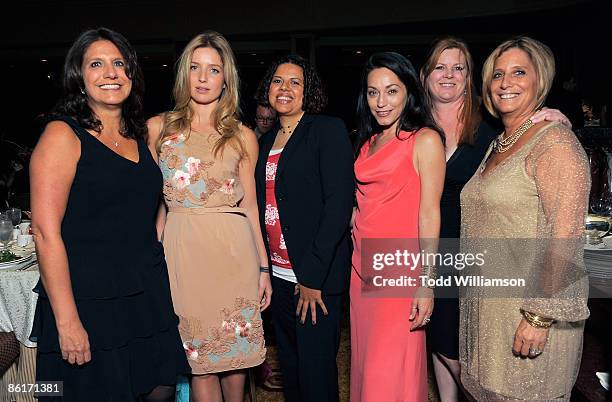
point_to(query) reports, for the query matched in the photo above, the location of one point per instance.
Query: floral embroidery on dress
(238, 335)
(192, 165)
(282, 244)
(228, 186)
(175, 139)
(193, 179)
(200, 172)
(212, 184)
(165, 152)
(181, 179)
(241, 328)
(173, 193)
(173, 161)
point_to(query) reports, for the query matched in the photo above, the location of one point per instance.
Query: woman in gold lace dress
(217, 263)
(526, 204)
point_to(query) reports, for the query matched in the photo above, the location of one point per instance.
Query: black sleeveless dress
(443, 329)
(119, 279)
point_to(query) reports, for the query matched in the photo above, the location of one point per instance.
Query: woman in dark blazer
(305, 188)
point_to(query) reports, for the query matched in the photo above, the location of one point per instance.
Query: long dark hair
(73, 102)
(315, 98)
(416, 114)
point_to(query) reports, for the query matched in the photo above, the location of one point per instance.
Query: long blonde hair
(470, 116)
(226, 115)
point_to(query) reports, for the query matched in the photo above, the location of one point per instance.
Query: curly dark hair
(315, 99)
(74, 103)
(416, 114)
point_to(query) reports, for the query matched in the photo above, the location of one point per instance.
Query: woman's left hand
(309, 299)
(546, 114)
(528, 340)
(265, 291)
(421, 308)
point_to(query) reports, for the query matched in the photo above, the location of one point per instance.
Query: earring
(82, 91)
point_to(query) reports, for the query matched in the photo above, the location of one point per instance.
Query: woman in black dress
(452, 96)
(104, 322)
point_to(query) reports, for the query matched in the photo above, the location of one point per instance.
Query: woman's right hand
(74, 343)
(265, 290)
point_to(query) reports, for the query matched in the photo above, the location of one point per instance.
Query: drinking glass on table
(602, 205)
(15, 215)
(6, 231)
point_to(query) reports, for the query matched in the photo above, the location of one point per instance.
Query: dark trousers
(307, 352)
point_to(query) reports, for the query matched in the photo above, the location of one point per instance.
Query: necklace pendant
(116, 144)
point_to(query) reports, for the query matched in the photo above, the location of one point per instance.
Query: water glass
(15, 215)
(6, 231)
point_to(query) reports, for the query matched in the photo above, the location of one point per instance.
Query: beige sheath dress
(212, 258)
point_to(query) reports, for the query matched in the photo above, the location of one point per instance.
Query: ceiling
(32, 23)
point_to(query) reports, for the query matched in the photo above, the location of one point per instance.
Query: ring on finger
(426, 320)
(534, 352)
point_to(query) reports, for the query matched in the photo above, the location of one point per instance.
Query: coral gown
(388, 362)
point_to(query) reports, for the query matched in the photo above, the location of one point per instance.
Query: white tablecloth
(17, 307)
(18, 303)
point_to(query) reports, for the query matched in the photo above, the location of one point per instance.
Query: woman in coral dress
(400, 174)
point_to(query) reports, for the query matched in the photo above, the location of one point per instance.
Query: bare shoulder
(58, 147)
(154, 126)
(248, 135)
(59, 134)
(426, 137)
(250, 145)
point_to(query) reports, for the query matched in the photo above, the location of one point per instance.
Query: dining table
(17, 308)
(597, 349)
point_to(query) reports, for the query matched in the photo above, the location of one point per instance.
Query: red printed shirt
(276, 242)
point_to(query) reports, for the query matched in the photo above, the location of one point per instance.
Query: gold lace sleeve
(559, 167)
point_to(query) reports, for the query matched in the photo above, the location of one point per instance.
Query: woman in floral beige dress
(216, 258)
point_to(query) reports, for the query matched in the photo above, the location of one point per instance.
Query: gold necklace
(504, 144)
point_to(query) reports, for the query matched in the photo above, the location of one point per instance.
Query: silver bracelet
(428, 271)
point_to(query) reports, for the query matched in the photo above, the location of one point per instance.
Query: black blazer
(314, 191)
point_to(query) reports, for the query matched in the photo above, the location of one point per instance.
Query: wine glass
(6, 231)
(15, 215)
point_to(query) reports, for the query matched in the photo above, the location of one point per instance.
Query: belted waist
(201, 210)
